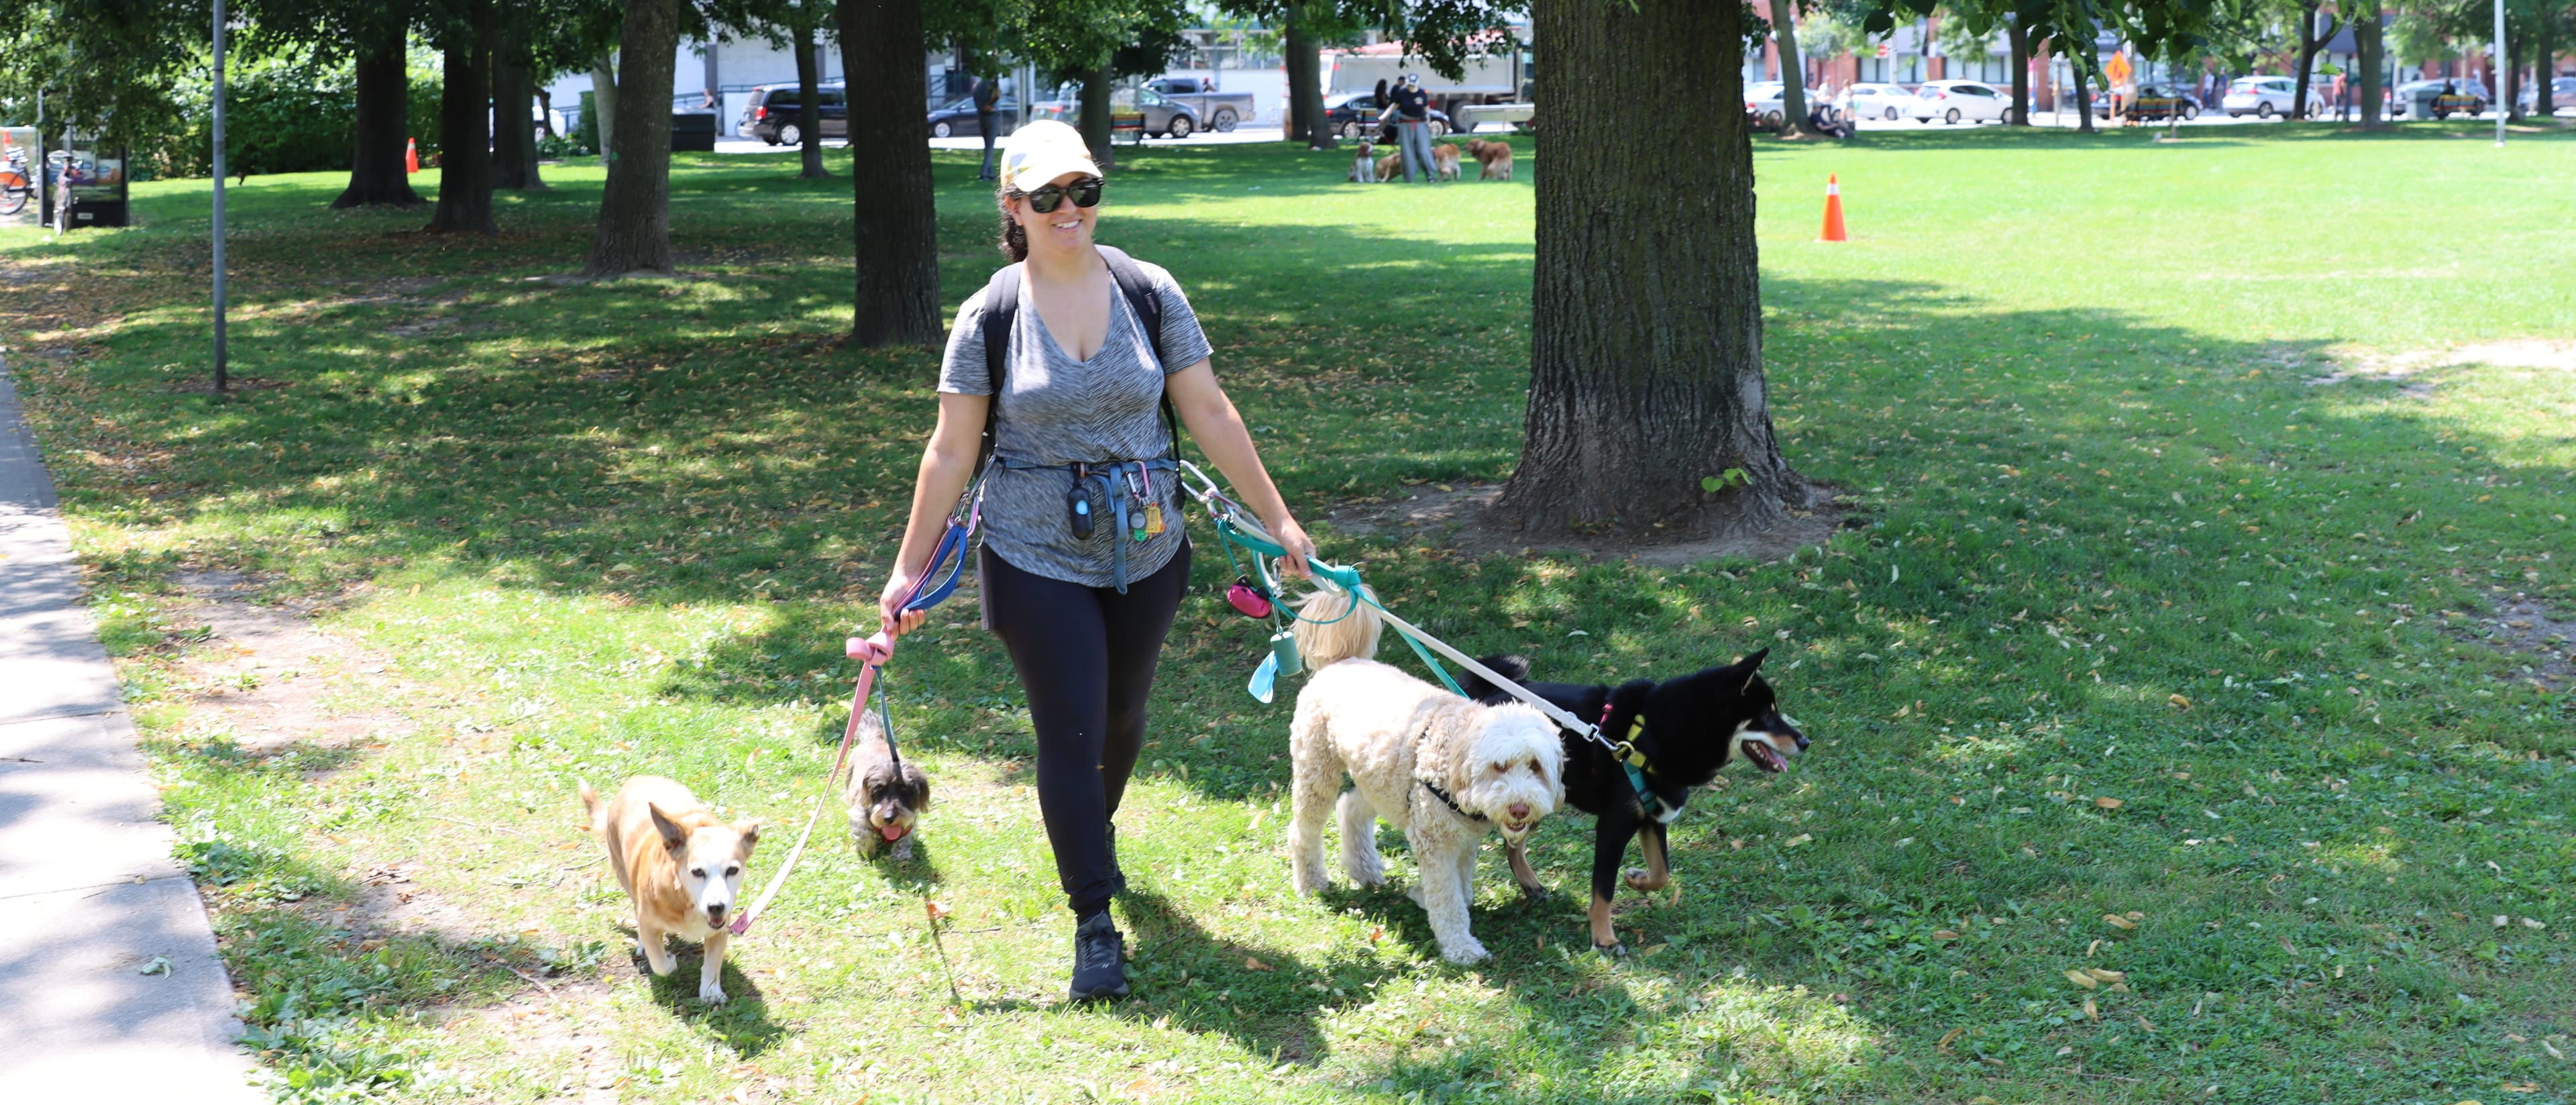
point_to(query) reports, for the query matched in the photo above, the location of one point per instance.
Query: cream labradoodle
(1440, 767)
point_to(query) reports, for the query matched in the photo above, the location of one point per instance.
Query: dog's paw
(661, 962)
(1638, 879)
(1612, 950)
(1535, 894)
(711, 993)
(1467, 951)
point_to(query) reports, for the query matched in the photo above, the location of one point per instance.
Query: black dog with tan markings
(1685, 729)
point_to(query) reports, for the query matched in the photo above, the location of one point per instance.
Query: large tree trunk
(514, 88)
(1793, 69)
(1298, 54)
(809, 114)
(1646, 341)
(2310, 40)
(1096, 130)
(2020, 40)
(2516, 42)
(465, 128)
(897, 298)
(2545, 71)
(383, 126)
(603, 99)
(634, 233)
(2366, 39)
(2083, 92)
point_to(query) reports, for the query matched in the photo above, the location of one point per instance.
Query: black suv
(772, 116)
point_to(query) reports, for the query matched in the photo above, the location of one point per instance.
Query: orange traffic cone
(411, 155)
(1833, 211)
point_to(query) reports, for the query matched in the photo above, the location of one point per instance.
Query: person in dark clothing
(988, 93)
(1411, 111)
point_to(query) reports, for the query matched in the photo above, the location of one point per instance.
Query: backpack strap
(1148, 305)
(1001, 309)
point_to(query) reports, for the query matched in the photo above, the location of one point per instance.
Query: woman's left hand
(1298, 548)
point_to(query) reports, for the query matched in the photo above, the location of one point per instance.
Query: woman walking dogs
(1075, 358)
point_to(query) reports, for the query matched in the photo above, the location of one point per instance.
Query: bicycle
(15, 188)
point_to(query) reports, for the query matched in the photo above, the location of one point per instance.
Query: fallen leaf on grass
(2118, 922)
(2104, 975)
(2179, 702)
(2091, 1013)
(1945, 934)
(2081, 979)
(1950, 1037)
(1251, 964)
(1797, 840)
(934, 909)
(2109, 803)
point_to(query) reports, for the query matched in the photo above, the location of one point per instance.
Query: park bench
(1127, 124)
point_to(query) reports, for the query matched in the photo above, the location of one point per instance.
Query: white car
(1874, 101)
(1957, 101)
(2265, 97)
(1763, 100)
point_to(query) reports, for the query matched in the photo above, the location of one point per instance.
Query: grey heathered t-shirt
(1056, 410)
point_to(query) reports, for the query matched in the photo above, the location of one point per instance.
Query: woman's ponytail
(1015, 239)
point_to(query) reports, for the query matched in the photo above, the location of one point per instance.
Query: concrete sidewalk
(90, 898)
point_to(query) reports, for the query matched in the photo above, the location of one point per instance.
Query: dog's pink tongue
(892, 832)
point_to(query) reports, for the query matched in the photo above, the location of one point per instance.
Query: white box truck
(1492, 88)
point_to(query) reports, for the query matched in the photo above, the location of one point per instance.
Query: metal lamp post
(2495, 49)
(220, 380)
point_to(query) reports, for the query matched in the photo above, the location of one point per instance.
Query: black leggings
(1086, 657)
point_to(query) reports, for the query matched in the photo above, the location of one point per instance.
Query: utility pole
(220, 380)
(2495, 49)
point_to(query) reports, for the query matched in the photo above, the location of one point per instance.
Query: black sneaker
(1099, 960)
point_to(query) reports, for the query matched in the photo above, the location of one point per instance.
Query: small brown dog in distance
(1388, 166)
(1444, 161)
(1493, 159)
(1364, 167)
(680, 865)
(886, 795)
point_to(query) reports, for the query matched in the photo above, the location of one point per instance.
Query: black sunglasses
(1084, 193)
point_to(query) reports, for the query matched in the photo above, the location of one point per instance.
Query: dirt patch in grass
(2526, 630)
(274, 679)
(1457, 518)
(2543, 354)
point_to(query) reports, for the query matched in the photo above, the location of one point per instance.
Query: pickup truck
(1163, 117)
(1217, 111)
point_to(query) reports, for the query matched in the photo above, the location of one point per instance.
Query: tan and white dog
(1364, 167)
(1444, 161)
(679, 863)
(1442, 768)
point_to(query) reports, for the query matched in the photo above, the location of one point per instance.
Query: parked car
(956, 118)
(1354, 115)
(1763, 103)
(1957, 102)
(2562, 94)
(1874, 101)
(1221, 110)
(771, 115)
(2265, 97)
(2155, 102)
(2438, 98)
(1163, 118)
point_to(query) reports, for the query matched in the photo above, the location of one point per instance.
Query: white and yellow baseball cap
(1043, 151)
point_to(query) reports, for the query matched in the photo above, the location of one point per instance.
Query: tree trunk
(1306, 88)
(634, 233)
(1298, 54)
(809, 113)
(2545, 71)
(2515, 42)
(383, 127)
(1646, 342)
(897, 297)
(2083, 92)
(2309, 41)
(2020, 40)
(1793, 70)
(2366, 39)
(603, 98)
(546, 112)
(1096, 130)
(514, 88)
(465, 128)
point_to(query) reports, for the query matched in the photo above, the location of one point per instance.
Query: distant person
(1381, 93)
(988, 95)
(1411, 111)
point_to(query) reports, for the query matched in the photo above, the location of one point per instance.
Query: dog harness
(1634, 763)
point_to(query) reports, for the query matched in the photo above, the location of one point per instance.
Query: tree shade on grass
(596, 529)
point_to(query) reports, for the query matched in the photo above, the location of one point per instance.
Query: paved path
(90, 897)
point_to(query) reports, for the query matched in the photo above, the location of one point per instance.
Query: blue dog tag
(1263, 678)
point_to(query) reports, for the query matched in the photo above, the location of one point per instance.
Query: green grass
(602, 529)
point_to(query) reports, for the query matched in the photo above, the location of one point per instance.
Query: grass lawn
(2210, 532)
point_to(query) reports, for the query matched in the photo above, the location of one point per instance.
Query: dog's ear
(920, 789)
(674, 836)
(1743, 670)
(750, 831)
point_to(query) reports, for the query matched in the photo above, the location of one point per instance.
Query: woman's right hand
(892, 618)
